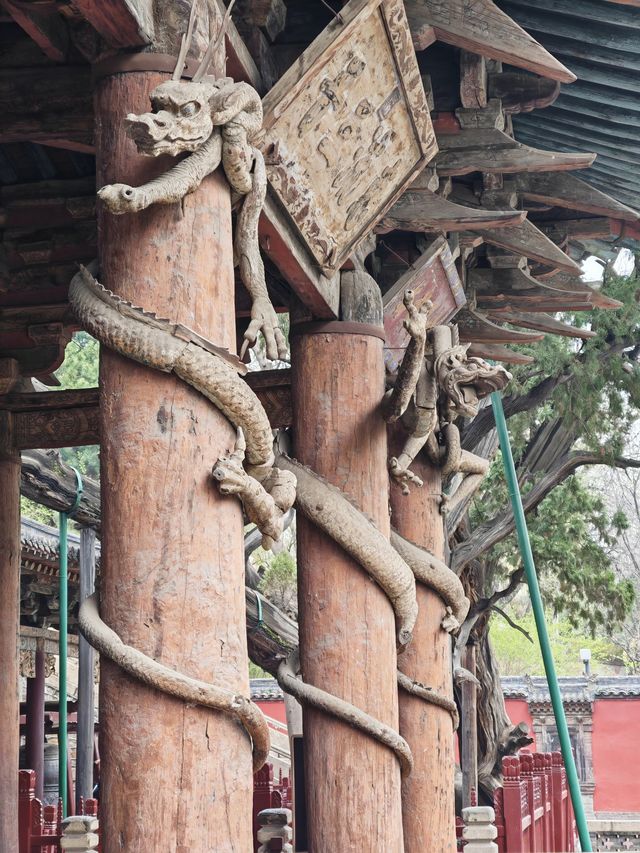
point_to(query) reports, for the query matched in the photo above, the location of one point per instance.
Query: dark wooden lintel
(50, 419)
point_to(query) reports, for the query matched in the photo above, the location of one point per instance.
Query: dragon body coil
(231, 113)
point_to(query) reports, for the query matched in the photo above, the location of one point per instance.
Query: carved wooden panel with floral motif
(347, 128)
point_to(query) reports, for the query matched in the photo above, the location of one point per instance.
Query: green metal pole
(63, 792)
(541, 625)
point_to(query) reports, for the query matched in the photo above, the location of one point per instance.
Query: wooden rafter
(483, 28)
(43, 23)
(568, 191)
(525, 239)
(422, 210)
(541, 322)
(475, 327)
(495, 352)
(490, 150)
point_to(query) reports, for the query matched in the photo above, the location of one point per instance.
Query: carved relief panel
(347, 128)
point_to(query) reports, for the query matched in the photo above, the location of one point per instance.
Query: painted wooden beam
(281, 244)
(541, 322)
(121, 23)
(43, 23)
(564, 190)
(490, 150)
(483, 28)
(422, 210)
(51, 419)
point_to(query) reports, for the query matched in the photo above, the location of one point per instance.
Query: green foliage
(516, 655)
(597, 396)
(80, 370)
(37, 512)
(278, 583)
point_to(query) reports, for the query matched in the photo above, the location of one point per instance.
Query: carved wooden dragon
(214, 120)
(433, 388)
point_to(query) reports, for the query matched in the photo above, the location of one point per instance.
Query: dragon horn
(213, 45)
(185, 43)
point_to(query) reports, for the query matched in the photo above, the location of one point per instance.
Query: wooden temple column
(347, 631)
(173, 776)
(9, 626)
(34, 741)
(428, 797)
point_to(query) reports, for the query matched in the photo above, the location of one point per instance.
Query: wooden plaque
(433, 276)
(347, 128)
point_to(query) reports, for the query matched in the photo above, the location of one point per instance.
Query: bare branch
(510, 621)
(500, 526)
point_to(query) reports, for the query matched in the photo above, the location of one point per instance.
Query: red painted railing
(40, 826)
(533, 808)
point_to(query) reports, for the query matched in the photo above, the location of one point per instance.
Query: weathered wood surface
(541, 322)
(525, 239)
(10, 610)
(86, 673)
(45, 479)
(180, 568)
(318, 291)
(49, 481)
(473, 80)
(433, 276)
(480, 26)
(422, 210)
(121, 23)
(45, 419)
(573, 284)
(564, 230)
(53, 108)
(499, 353)
(570, 192)
(490, 150)
(428, 798)
(495, 288)
(347, 128)
(522, 92)
(43, 204)
(347, 632)
(469, 732)
(475, 327)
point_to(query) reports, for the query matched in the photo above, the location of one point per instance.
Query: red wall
(518, 711)
(616, 755)
(275, 709)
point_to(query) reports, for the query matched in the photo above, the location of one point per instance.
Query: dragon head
(467, 379)
(180, 120)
